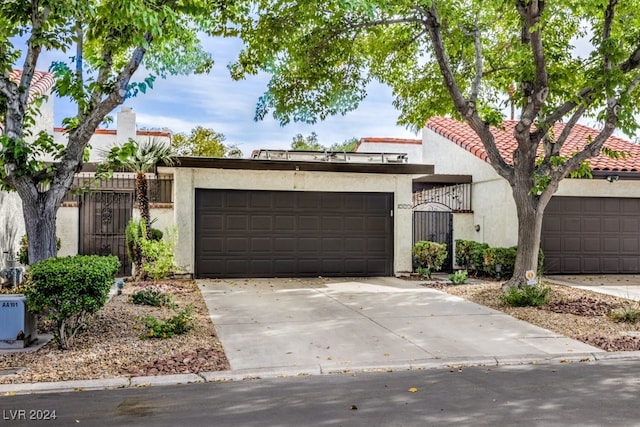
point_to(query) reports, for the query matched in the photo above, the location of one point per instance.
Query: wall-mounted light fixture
(613, 178)
(477, 227)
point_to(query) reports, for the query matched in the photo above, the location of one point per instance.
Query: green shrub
(430, 255)
(459, 277)
(23, 252)
(506, 257)
(628, 313)
(526, 296)
(151, 258)
(69, 290)
(470, 254)
(151, 296)
(181, 323)
(157, 256)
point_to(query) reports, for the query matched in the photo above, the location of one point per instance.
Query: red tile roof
(41, 83)
(461, 134)
(158, 133)
(391, 140)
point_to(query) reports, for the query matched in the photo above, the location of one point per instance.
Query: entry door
(103, 219)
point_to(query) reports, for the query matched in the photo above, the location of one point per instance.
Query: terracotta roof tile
(391, 140)
(465, 137)
(158, 133)
(41, 83)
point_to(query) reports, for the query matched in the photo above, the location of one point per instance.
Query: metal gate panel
(103, 220)
(435, 226)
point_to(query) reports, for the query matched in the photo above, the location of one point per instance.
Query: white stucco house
(86, 222)
(294, 217)
(94, 222)
(275, 215)
(591, 226)
(11, 220)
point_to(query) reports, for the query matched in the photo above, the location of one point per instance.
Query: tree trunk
(530, 210)
(40, 224)
(143, 201)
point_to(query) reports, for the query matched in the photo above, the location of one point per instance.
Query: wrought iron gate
(435, 226)
(103, 219)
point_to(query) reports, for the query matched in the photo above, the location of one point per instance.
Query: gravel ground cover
(574, 313)
(111, 346)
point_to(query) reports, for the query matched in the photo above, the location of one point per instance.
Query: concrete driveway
(324, 325)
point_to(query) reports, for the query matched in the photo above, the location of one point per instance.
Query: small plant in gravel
(459, 277)
(526, 296)
(181, 323)
(153, 297)
(423, 273)
(628, 313)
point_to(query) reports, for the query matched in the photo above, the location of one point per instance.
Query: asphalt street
(572, 394)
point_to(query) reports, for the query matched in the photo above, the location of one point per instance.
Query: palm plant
(139, 158)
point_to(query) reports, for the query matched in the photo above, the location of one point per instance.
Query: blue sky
(215, 101)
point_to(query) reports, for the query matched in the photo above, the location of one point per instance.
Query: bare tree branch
(467, 109)
(530, 13)
(632, 62)
(553, 148)
(477, 80)
(583, 97)
(606, 33)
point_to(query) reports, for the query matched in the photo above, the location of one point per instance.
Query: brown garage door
(289, 233)
(591, 235)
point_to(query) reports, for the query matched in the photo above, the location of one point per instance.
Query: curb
(283, 372)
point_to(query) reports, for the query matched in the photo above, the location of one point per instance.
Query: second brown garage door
(591, 235)
(242, 233)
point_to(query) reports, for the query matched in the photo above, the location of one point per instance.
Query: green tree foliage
(348, 145)
(204, 142)
(112, 39)
(306, 143)
(468, 59)
(310, 143)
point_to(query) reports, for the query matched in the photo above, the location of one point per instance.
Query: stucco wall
(68, 229)
(162, 216)
(492, 201)
(186, 180)
(598, 188)
(44, 122)
(11, 222)
(68, 226)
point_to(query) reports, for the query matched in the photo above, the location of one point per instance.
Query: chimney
(125, 125)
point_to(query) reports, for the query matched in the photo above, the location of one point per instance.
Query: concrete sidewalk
(324, 325)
